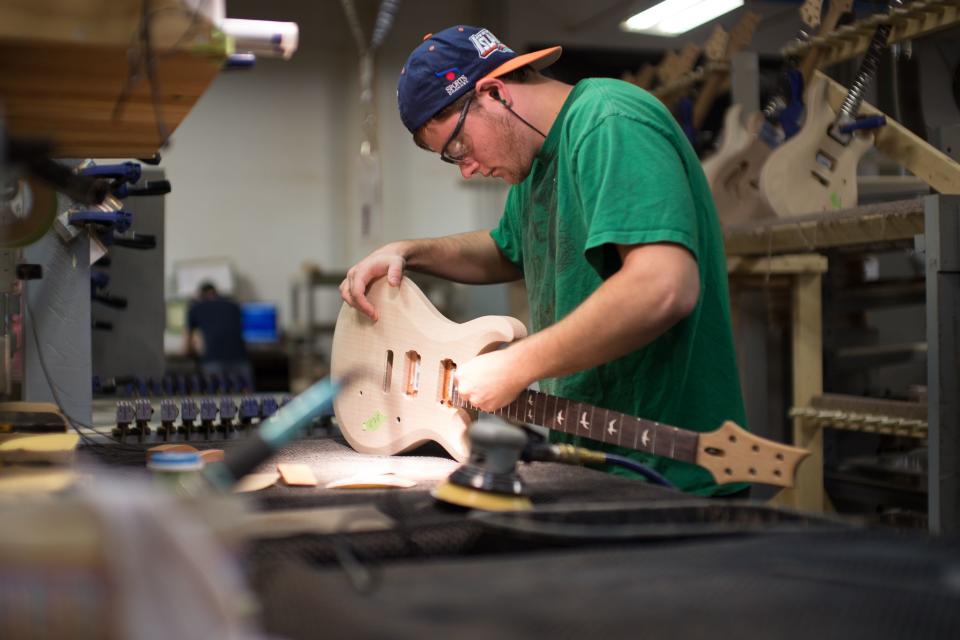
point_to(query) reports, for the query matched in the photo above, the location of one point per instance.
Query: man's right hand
(386, 261)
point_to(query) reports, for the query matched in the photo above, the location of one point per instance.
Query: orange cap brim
(537, 59)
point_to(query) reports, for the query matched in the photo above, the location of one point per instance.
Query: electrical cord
(73, 422)
(653, 477)
(569, 454)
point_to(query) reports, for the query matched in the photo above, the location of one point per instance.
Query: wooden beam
(777, 265)
(898, 143)
(66, 66)
(880, 224)
(917, 19)
(807, 349)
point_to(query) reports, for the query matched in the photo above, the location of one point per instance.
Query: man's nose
(467, 169)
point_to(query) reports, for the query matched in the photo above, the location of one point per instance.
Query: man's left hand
(492, 380)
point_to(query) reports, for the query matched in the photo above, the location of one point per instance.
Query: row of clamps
(205, 418)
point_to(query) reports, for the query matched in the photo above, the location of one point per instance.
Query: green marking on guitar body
(374, 422)
(834, 200)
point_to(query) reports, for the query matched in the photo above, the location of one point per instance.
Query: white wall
(264, 168)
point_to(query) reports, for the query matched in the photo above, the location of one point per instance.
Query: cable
(570, 454)
(73, 422)
(649, 474)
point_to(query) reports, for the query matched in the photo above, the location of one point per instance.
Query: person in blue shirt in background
(219, 322)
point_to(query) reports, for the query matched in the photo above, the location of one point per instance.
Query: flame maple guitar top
(400, 366)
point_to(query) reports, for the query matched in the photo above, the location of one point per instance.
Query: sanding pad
(483, 500)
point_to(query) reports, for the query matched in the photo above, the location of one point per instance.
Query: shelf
(917, 19)
(891, 223)
(64, 67)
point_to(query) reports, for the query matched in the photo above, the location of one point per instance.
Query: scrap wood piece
(296, 474)
(372, 481)
(256, 482)
(54, 448)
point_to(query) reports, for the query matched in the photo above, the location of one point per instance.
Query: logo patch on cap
(487, 44)
(448, 74)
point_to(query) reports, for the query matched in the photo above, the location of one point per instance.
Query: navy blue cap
(448, 64)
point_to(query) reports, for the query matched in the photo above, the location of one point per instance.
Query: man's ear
(496, 89)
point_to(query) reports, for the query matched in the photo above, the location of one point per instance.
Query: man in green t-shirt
(610, 223)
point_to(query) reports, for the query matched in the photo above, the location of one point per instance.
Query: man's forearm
(471, 258)
(629, 310)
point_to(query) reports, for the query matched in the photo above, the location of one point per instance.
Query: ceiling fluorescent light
(673, 17)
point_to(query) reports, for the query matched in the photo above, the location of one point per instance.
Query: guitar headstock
(810, 13)
(742, 33)
(666, 70)
(834, 13)
(688, 56)
(732, 454)
(716, 44)
(676, 64)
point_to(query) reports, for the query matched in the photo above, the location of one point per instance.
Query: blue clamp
(208, 410)
(144, 410)
(150, 188)
(189, 410)
(249, 410)
(228, 410)
(120, 220)
(866, 122)
(168, 411)
(123, 172)
(125, 413)
(791, 118)
(268, 407)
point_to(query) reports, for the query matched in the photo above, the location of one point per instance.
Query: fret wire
(543, 407)
(603, 425)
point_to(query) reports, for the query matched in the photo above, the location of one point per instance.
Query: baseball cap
(448, 64)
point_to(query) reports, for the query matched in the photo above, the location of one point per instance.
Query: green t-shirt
(616, 169)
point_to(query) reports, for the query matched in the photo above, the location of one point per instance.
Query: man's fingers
(395, 272)
(358, 291)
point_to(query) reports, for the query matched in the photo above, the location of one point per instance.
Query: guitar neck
(708, 93)
(601, 425)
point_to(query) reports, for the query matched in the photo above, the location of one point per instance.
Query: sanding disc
(27, 210)
(483, 500)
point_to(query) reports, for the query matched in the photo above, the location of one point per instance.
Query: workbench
(600, 556)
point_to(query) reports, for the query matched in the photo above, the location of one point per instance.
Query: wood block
(256, 482)
(296, 474)
(55, 448)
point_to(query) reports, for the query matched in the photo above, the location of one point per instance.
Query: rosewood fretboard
(602, 425)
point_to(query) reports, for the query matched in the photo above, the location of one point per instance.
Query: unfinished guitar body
(734, 178)
(812, 172)
(402, 369)
(735, 138)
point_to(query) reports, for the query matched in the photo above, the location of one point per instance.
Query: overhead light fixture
(673, 17)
